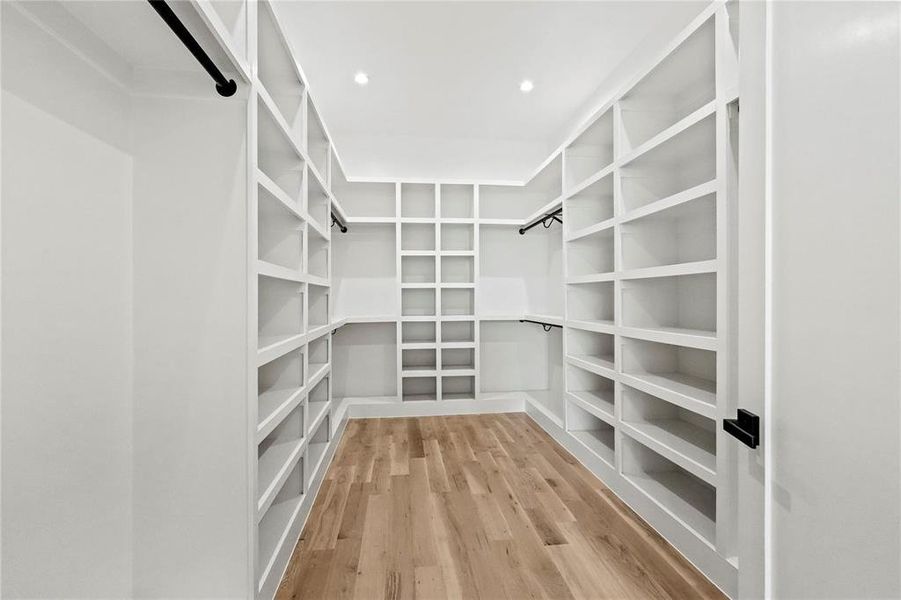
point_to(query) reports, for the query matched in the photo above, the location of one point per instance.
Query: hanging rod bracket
(341, 226)
(225, 87)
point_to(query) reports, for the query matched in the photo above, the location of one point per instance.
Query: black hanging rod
(225, 87)
(547, 220)
(336, 221)
(546, 326)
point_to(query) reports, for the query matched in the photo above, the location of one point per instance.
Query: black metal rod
(225, 87)
(542, 219)
(547, 326)
(337, 221)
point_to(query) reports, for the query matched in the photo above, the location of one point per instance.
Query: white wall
(835, 107)
(66, 327)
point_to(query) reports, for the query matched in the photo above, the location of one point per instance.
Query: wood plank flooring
(483, 506)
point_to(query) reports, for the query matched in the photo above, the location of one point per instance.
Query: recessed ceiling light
(526, 86)
(361, 78)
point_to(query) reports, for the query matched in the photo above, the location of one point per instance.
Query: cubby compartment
(457, 302)
(419, 388)
(318, 147)
(277, 72)
(417, 269)
(591, 206)
(456, 237)
(318, 402)
(595, 349)
(417, 236)
(273, 527)
(319, 306)
(417, 303)
(315, 452)
(679, 304)
(457, 269)
(279, 233)
(419, 360)
(364, 358)
(415, 332)
(679, 85)
(417, 200)
(458, 331)
(457, 201)
(457, 359)
(590, 255)
(318, 203)
(318, 256)
(677, 491)
(458, 388)
(683, 162)
(687, 436)
(364, 200)
(593, 392)
(277, 157)
(594, 433)
(590, 152)
(318, 356)
(364, 271)
(681, 234)
(276, 453)
(279, 383)
(686, 376)
(591, 302)
(280, 308)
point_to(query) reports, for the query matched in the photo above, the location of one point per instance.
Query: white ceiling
(443, 99)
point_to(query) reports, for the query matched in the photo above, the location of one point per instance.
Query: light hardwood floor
(483, 506)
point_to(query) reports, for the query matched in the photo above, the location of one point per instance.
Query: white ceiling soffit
(443, 99)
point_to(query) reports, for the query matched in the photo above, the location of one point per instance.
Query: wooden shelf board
(273, 469)
(272, 347)
(599, 404)
(681, 496)
(594, 278)
(690, 338)
(600, 365)
(273, 406)
(599, 442)
(273, 271)
(689, 446)
(683, 197)
(591, 229)
(694, 390)
(690, 268)
(596, 326)
(670, 132)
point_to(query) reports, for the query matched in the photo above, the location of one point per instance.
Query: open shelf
(318, 355)
(318, 257)
(672, 371)
(678, 305)
(417, 269)
(458, 388)
(419, 388)
(591, 302)
(318, 311)
(681, 435)
(276, 455)
(315, 452)
(457, 302)
(364, 271)
(280, 306)
(457, 269)
(279, 386)
(681, 234)
(457, 237)
(318, 203)
(590, 152)
(364, 359)
(417, 302)
(318, 147)
(317, 404)
(590, 255)
(593, 392)
(366, 199)
(418, 360)
(515, 356)
(590, 207)
(457, 201)
(680, 84)
(595, 434)
(277, 72)
(458, 359)
(280, 233)
(277, 521)
(417, 236)
(457, 331)
(418, 333)
(417, 200)
(593, 350)
(277, 157)
(683, 161)
(677, 491)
